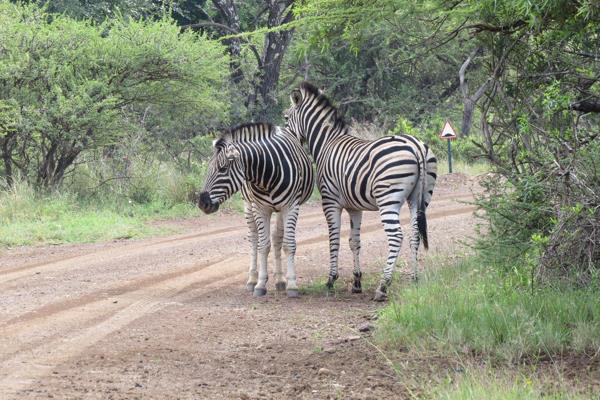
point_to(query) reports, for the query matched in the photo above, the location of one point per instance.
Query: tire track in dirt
(24, 367)
(47, 314)
(10, 274)
(95, 318)
(104, 293)
(374, 227)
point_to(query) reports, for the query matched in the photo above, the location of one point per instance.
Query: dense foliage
(70, 87)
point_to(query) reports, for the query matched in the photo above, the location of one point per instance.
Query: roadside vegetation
(503, 337)
(477, 385)
(471, 309)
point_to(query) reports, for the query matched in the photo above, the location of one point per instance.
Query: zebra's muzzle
(206, 204)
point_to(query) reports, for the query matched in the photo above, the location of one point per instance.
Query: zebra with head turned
(356, 175)
(275, 174)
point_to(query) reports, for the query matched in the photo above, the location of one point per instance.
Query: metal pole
(449, 156)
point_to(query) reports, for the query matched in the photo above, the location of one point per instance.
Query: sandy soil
(168, 318)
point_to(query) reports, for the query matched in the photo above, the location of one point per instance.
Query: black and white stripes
(274, 173)
(356, 175)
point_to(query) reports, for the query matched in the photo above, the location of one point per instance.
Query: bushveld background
(108, 110)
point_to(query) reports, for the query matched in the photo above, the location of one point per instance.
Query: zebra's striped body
(275, 174)
(356, 175)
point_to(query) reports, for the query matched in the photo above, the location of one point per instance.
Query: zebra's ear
(296, 97)
(232, 153)
(218, 143)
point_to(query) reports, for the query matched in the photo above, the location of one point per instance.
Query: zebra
(274, 174)
(358, 175)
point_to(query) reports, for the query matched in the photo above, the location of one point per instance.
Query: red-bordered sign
(448, 132)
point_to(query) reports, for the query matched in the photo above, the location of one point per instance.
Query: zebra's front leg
(390, 217)
(253, 239)
(289, 246)
(355, 222)
(333, 217)
(263, 226)
(277, 240)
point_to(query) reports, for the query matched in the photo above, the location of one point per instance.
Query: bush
(547, 221)
(72, 87)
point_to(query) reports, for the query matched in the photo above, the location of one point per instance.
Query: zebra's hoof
(250, 287)
(415, 278)
(293, 293)
(380, 296)
(260, 292)
(331, 281)
(356, 289)
(280, 286)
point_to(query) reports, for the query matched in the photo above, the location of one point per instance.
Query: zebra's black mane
(237, 133)
(315, 91)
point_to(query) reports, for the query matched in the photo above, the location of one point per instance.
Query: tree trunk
(261, 101)
(7, 159)
(55, 163)
(229, 12)
(276, 43)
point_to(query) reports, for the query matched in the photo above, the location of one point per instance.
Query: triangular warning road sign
(448, 132)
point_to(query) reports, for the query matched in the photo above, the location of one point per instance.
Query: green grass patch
(467, 309)
(318, 286)
(28, 218)
(468, 168)
(479, 385)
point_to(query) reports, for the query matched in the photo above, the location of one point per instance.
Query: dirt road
(168, 318)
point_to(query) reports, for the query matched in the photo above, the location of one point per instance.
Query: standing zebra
(274, 174)
(356, 175)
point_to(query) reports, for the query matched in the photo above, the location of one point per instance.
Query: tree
(101, 10)
(269, 40)
(70, 86)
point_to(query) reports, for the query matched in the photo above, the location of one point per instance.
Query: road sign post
(449, 135)
(450, 156)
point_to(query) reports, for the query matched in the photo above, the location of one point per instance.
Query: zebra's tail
(421, 217)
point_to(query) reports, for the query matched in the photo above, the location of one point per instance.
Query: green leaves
(77, 85)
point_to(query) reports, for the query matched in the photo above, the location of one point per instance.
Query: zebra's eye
(223, 169)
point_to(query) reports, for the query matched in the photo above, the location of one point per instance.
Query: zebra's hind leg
(263, 225)
(355, 222)
(277, 239)
(333, 217)
(390, 217)
(289, 246)
(415, 239)
(253, 239)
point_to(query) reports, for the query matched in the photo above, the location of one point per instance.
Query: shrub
(71, 87)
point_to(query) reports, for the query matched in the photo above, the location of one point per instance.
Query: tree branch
(585, 106)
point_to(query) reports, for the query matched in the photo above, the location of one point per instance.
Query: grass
(318, 287)
(460, 166)
(28, 218)
(467, 309)
(485, 385)
(89, 212)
